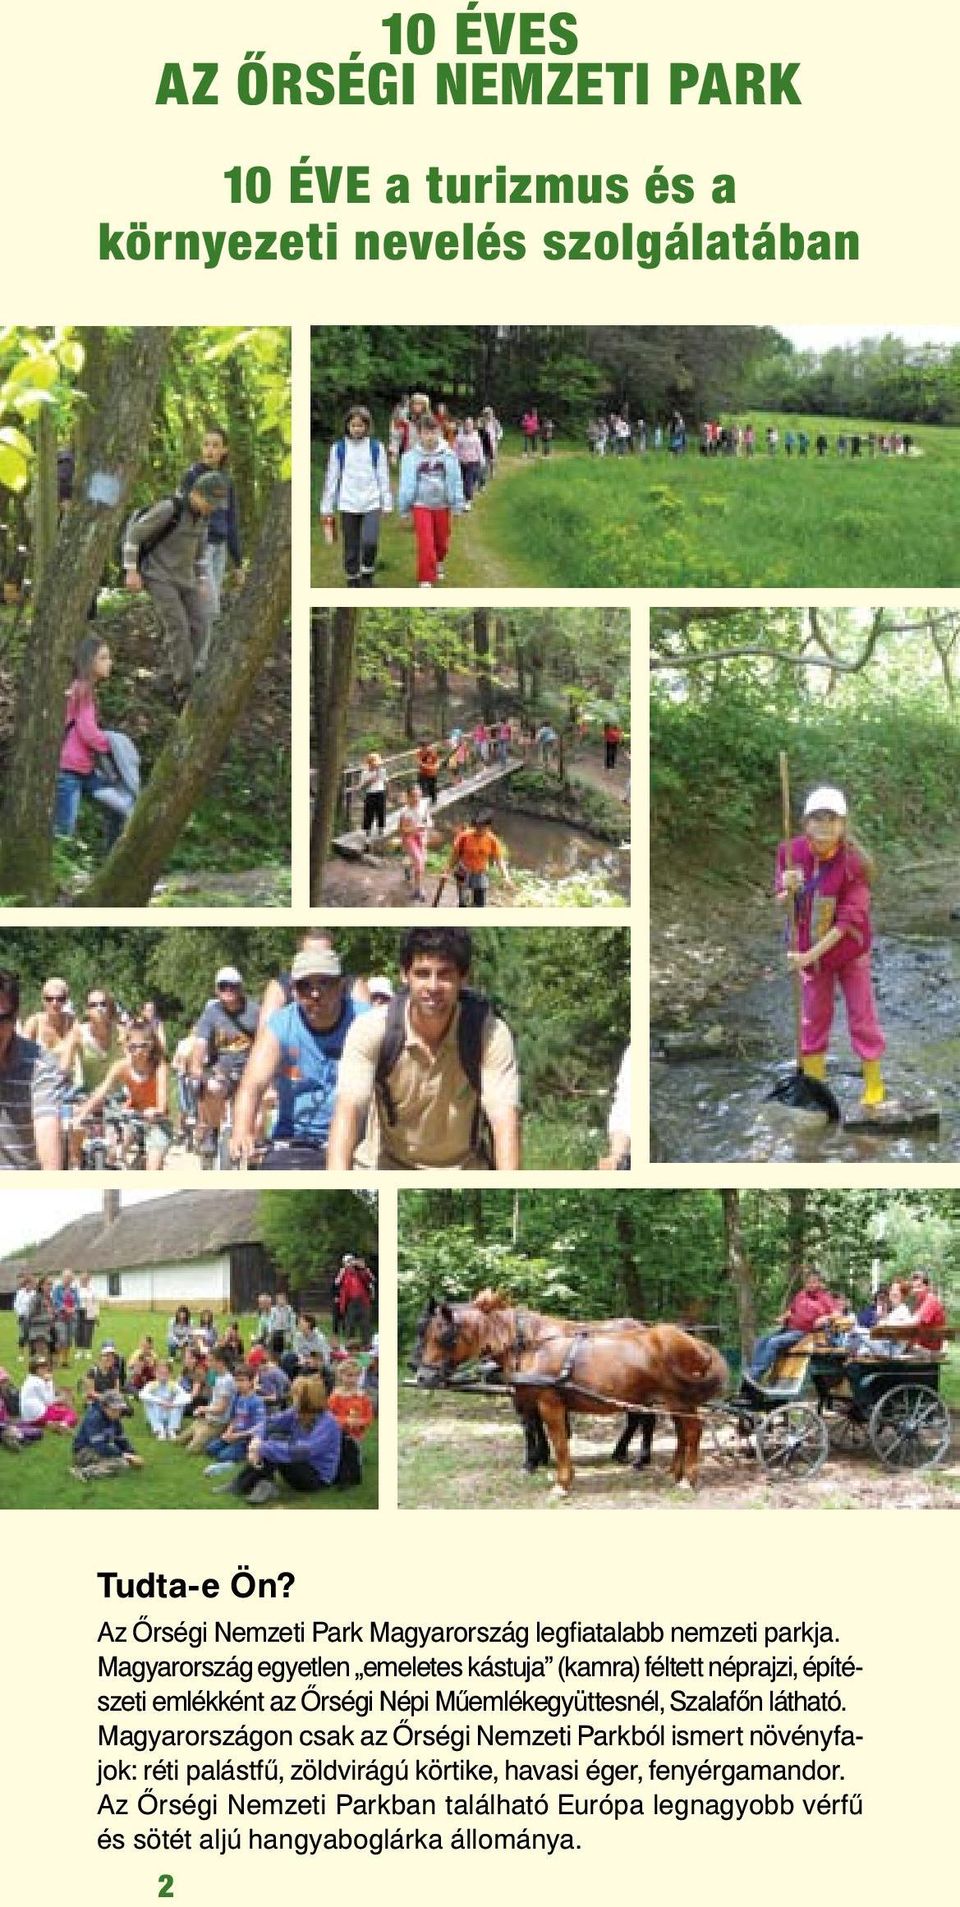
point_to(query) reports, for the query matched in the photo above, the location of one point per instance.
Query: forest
(97, 423)
(840, 469)
(858, 699)
(565, 997)
(386, 680)
(723, 1261)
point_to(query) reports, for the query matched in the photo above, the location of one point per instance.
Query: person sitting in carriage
(812, 1308)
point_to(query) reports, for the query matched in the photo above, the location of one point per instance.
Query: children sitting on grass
(100, 1447)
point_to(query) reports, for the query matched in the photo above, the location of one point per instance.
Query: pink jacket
(835, 893)
(83, 739)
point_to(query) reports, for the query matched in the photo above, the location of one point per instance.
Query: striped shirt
(31, 1088)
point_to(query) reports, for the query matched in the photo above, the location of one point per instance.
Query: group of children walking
(442, 464)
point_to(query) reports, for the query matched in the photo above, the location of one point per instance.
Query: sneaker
(440, 572)
(264, 1492)
(10, 1438)
(82, 1476)
(218, 1469)
(426, 585)
(226, 1489)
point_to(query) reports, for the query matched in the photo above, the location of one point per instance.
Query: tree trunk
(44, 498)
(632, 1281)
(409, 691)
(796, 1236)
(242, 643)
(520, 665)
(334, 641)
(442, 683)
(481, 651)
(86, 539)
(739, 1272)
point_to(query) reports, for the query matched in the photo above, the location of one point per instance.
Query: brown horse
(560, 1366)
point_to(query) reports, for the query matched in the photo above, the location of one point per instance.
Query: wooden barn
(190, 1248)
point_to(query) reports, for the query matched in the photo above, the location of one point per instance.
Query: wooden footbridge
(353, 843)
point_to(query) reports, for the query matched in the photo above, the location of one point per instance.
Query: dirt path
(467, 1452)
(475, 560)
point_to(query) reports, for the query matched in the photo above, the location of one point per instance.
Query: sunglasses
(56, 999)
(146, 1048)
(315, 989)
(98, 1000)
(229, 986)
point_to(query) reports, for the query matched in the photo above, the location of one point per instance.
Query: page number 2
(165, 1889)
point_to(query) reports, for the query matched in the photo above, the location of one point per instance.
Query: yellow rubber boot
(874, 1091)
(814, 1065)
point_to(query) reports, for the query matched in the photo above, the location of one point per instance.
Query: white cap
(228, 977)
(378, 984)
(826, 801)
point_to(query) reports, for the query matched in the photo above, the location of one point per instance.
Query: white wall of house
(202, 1281)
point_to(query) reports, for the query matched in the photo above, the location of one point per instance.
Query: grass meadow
(38, 1477)
(658, 521)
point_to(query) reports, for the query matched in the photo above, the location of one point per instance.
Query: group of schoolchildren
(176, 550)
(292, 1409)
(442, 462)
(475, 849)
(616, 434)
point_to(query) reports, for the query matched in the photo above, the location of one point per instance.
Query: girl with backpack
(357, 485)
(83, 742)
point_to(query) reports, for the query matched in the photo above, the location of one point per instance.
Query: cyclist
(142, 1078)
(50, 1025)
(300, 1047)
(222, 1042)
(92, 1046)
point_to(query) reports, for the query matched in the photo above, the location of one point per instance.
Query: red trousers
(432, 531)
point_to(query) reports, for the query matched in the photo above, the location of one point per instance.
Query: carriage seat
(786, 1377)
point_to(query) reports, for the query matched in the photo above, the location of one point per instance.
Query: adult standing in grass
(88, 1313)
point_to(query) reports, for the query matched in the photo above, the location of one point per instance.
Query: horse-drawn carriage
(876, 1392)
(879, 1394)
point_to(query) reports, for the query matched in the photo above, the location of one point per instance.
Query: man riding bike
(222, 1043)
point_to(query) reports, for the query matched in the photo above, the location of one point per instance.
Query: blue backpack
(341, 449)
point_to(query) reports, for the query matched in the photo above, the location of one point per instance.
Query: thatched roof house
(185, 1248)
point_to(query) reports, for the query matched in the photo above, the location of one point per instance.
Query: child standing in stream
(827, 876)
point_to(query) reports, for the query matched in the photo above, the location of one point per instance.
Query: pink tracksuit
(835, 893)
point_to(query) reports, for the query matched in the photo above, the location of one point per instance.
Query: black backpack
(150, 543)
(350, 1467)
(475, 1009)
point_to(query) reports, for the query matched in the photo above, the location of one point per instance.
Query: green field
(658, 521)
(38, 1477)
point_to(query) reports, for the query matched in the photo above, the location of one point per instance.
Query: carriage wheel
(910, 1428)
(792, 1441)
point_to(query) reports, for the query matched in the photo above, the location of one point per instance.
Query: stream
(708, 1109)
(555, 849)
